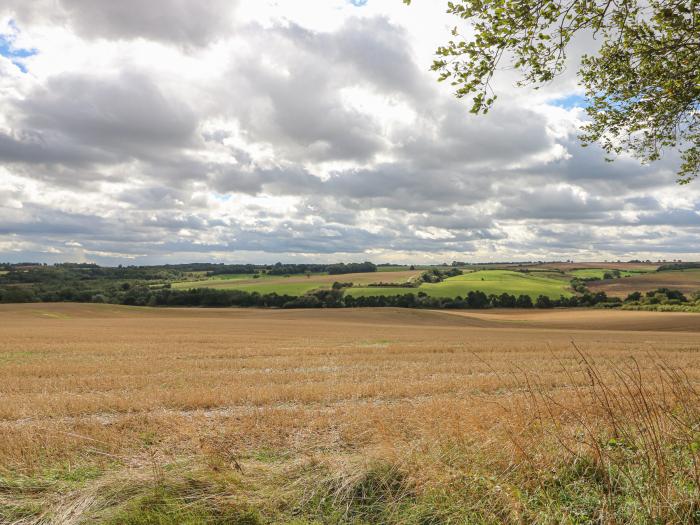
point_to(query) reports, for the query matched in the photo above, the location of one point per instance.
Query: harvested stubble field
(134, 415)
(687, 281)
(626, 266)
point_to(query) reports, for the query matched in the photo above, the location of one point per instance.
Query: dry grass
(346, 416)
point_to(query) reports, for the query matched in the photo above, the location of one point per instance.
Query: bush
(543, 302)
(524, 301)
(16, 294)
(634, 296)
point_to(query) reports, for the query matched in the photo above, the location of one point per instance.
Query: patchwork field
(597, 273)
(487, 281)
(296, 284)
(687, 281)
(551, 280)
(567, 267)
(117, 415)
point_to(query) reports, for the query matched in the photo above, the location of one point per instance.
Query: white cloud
(265, 130)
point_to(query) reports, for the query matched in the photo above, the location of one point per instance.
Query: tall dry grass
(344, 417)
(635, 431)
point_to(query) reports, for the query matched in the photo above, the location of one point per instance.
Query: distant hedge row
(678, 266)
(335, 298)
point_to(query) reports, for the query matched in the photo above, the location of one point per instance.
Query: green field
(249, 283)
(597, 273)
(262, 285)
(236, 276)
(215, 281)
(371, 291)
(280, 288)
(395, 268)
(487, 281)
(293, 284)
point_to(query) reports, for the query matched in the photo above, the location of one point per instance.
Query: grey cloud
(127, 114)
(37, 147)
(379, 52)
(444, 182)
(178, 22)
(301, 112)
(450, 136)
(298, 106)
(558, 203)
(456, 219)
(587, 167)
(402, 186)
(398, 185)
(36, 220)
(76, 125)
(155, 232)
(673, 217)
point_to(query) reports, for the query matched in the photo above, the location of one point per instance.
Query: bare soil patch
(687, 281)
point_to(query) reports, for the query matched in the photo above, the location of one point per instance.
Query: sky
(259, 131)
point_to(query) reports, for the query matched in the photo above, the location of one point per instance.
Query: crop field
(398, 268)
(487, 281)
(120, 415)
(567, 267)
(598, 273)
(264, 286)
(550, 280)
(687, 281)
(295, 284)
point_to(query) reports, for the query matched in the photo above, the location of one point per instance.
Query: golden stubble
(105, 383)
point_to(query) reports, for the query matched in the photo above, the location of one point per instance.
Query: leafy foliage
(643, 84)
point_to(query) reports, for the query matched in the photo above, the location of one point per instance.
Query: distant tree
(477, 299)
(524, 301)
(506, 300)
(543, 302)
(634, 296)
(642, 83)
(17, 295)
(364, 267)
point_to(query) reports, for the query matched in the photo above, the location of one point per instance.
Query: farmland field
(114, 414)
(596, 273)
(549, 280)
(487, 281)
(296, 284)
(687, 281)
(567, 267)
(397, 268)
(262, 286)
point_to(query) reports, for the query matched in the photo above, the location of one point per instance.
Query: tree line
(144, 295)
(331, 269)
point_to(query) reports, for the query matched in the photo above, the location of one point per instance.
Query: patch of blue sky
(570, 102)
(221, 197)
(9, 50)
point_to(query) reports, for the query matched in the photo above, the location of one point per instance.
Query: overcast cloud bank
(249, 131)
